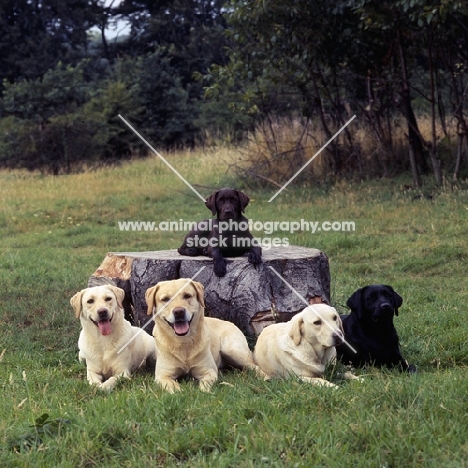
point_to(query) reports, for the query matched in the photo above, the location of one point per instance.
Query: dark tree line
(189, 69)
(64, 86)
(328, 60)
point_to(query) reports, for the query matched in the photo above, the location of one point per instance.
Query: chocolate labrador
(225, 236)
(370, 331)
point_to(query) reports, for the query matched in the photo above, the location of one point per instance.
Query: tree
(43, 33)
(331, 57)
(290, 61)
(62, 121)
(168, 114)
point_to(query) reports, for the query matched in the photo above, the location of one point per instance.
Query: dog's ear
(397, 300)
(200, 289)
(119, 294)
(243, 200)
(340, 324)
(296, 330)
(75, 302)
(211, 202)
(150, 298)
(355, 302)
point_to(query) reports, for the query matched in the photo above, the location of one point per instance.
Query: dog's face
(178, 305)
(98, 305)
(227, 203)
(376, 303)
(319, 325)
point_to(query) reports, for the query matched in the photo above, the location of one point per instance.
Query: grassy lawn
(56, 231)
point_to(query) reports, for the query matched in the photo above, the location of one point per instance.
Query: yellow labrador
(109, 345)
(303, 346)
(187, 342)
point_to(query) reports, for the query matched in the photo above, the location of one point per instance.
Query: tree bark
(433, 152)
(287, 280)
(415, 139)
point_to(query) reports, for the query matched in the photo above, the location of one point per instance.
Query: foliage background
(197, 72)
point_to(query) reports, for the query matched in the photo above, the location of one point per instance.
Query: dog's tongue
(104, 327)
(181, 328)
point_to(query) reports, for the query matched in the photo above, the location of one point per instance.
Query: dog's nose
(385, 306)
(179, 313)
(102, 312)
(338, 337)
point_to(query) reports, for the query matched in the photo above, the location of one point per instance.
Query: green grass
(55, 233)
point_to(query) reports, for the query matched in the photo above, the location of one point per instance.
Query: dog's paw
(109, 384)
(170, 386)
(326, 383)
(220, 268)
(206, 385)
(261, 374)
(318, 381)
(351, 376)
(189, 251)
(255, 258)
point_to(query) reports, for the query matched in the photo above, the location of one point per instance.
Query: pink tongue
(105, 327)
(181, 328)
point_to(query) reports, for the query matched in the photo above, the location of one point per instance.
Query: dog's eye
(335, 318)
(164, 299)
(90, 301)
(187, 296)
(318, 322)
(108, 299)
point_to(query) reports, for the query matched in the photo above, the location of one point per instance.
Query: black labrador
(370, 331)
(225, 236)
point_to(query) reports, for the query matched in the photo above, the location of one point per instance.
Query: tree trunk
(249, 297)
(458, 158)
(415, 140)
(433, 152)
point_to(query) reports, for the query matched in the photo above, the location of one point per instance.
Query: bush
(69, 118)
(169, 113)
(61, 122)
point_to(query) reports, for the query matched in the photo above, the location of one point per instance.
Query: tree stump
(250, 297)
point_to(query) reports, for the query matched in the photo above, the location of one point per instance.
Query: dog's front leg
(215, 242)
(346, 375)
(410, 368)
(168, 384)
(350, 376)
(255, 256)
(93, 377)
(188, 247)
(110, 383)
(317, 381)
(166, 379)
(255, 251)
(96, 379)
(207, 378)
(219, 263)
